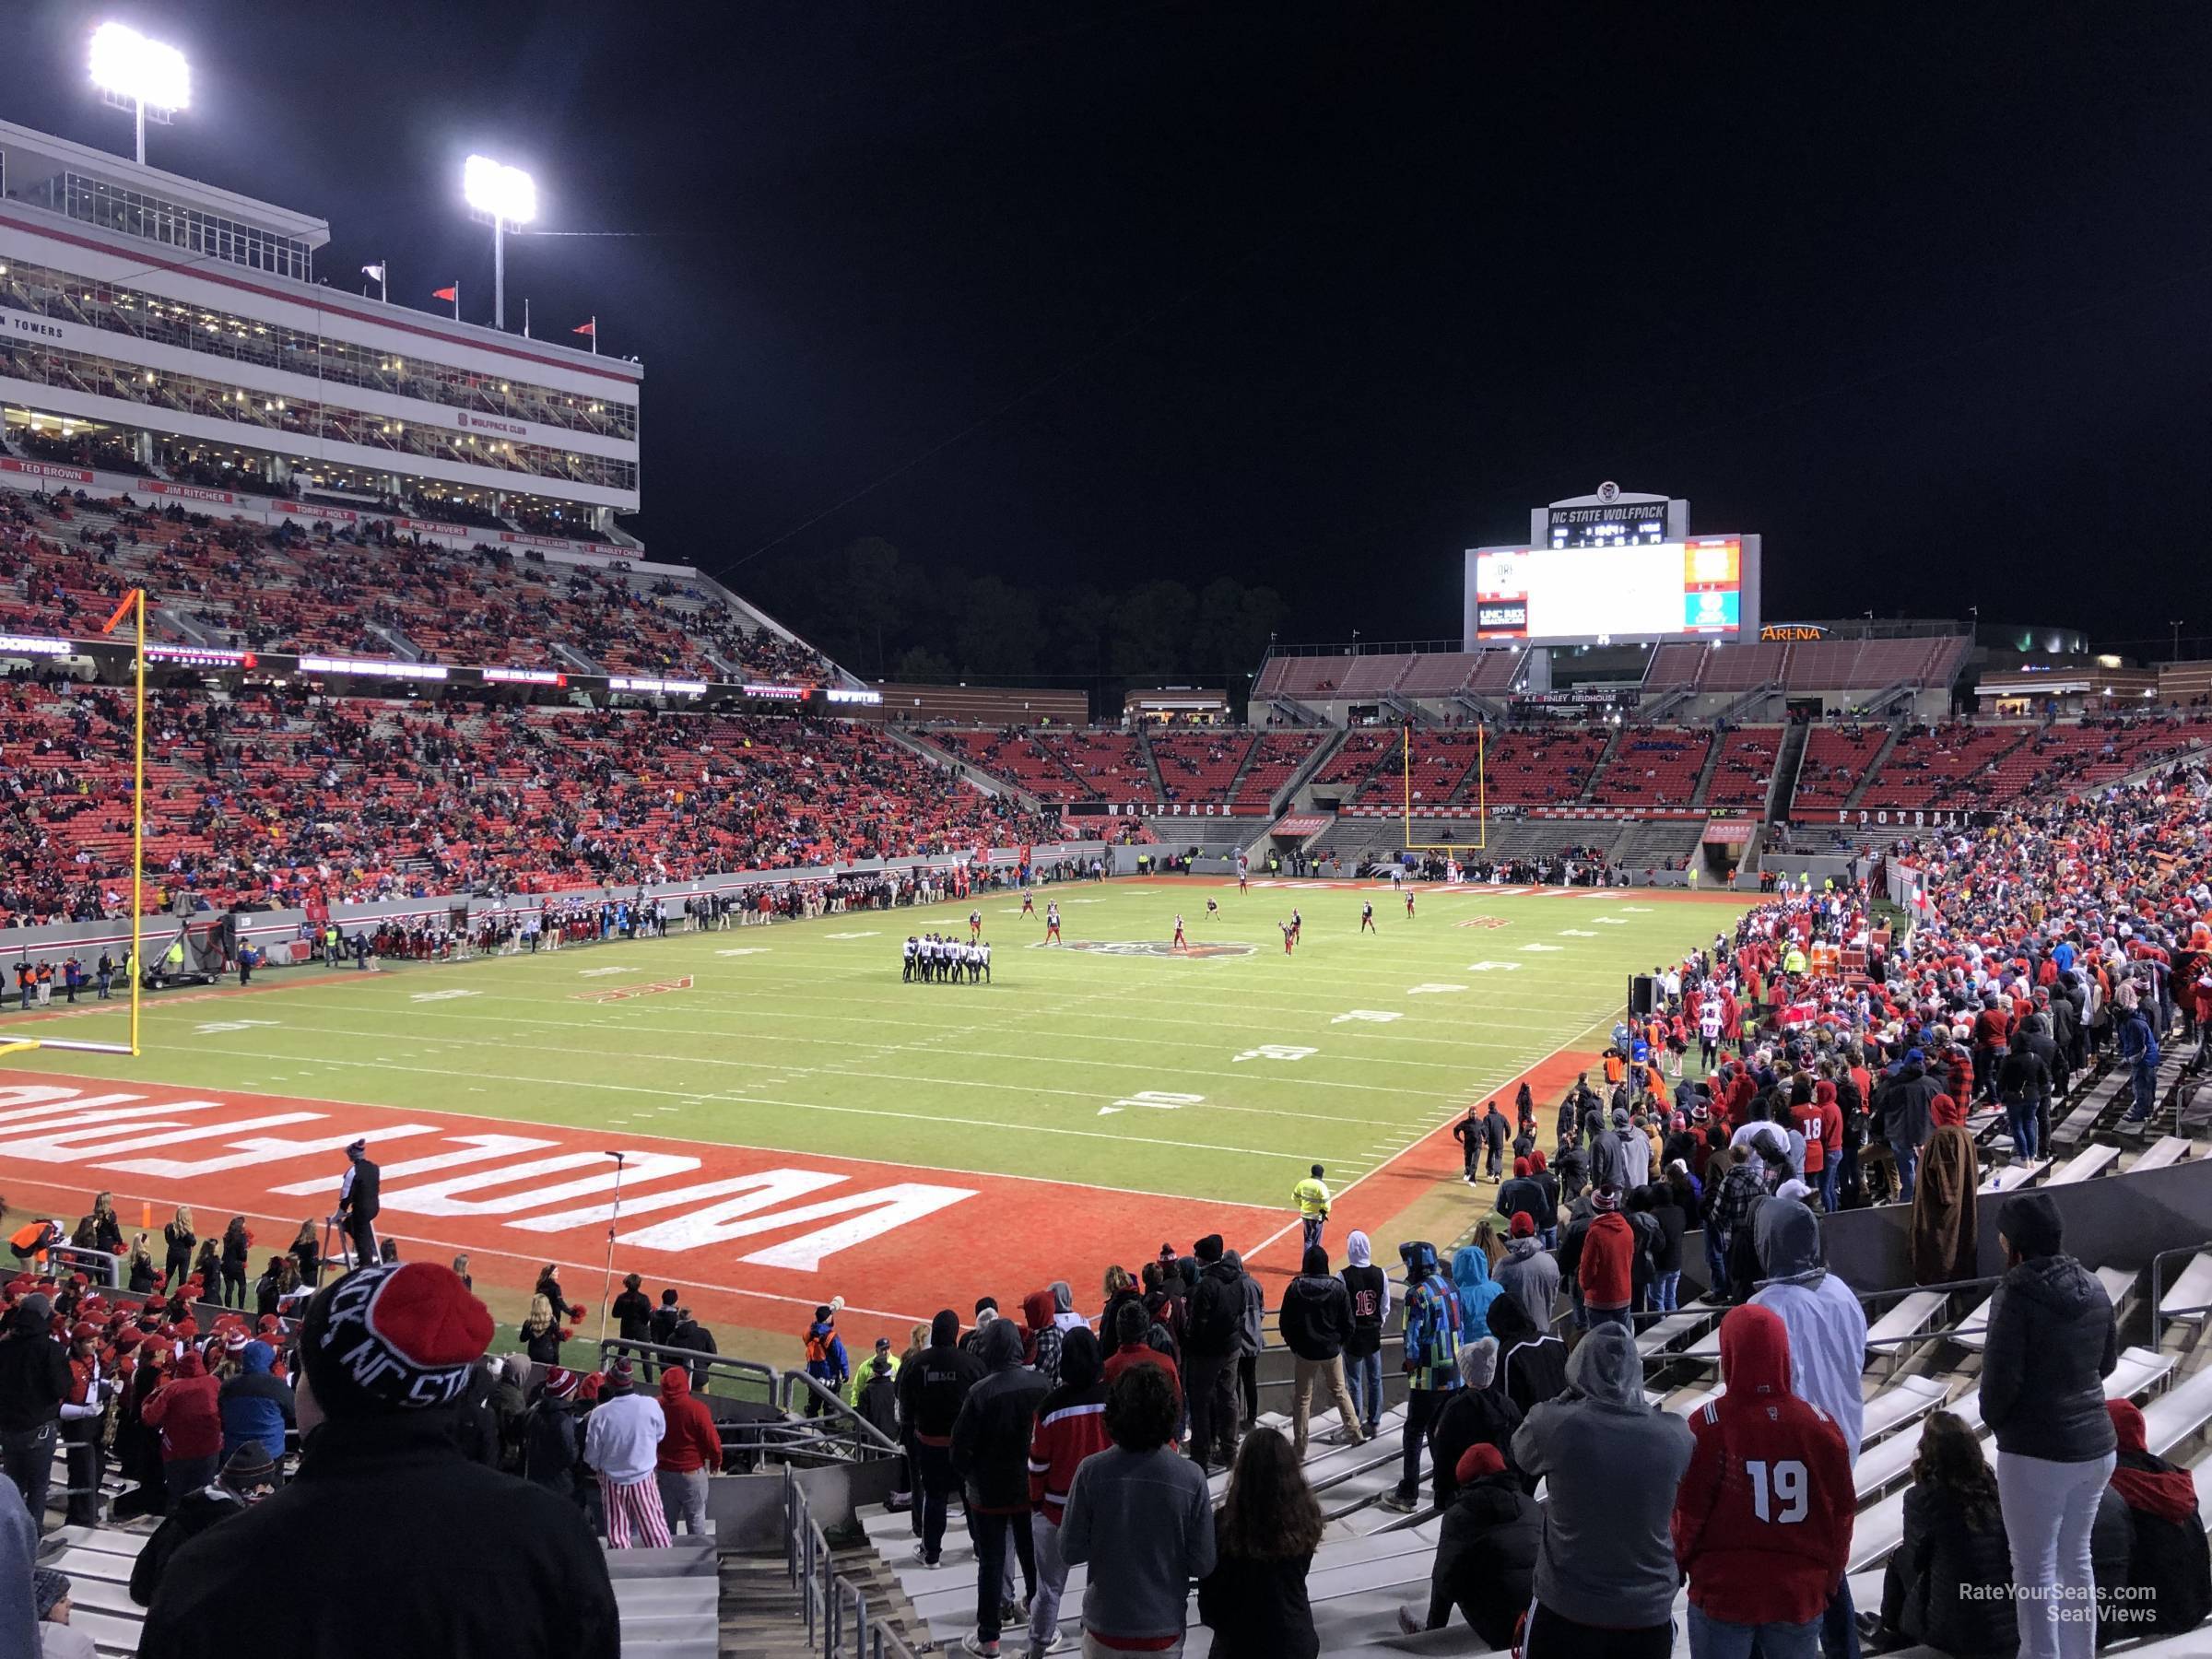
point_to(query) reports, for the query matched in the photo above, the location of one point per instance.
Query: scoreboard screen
(1702, 588)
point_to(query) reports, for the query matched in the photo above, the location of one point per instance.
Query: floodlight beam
(146, 74)
(506, 195)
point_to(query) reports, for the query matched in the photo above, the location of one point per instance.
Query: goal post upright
(1481, 795)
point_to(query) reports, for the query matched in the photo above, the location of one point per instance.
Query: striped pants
(630, 1505)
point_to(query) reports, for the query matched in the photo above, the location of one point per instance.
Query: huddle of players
(944, 959)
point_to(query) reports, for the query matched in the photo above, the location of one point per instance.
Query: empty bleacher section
(1199, 764)
(1276, 759)
(1744, 770)
(1654, 766)
(1346, 676)
(1837, 760)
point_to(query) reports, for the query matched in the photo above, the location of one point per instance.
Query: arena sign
(1912, 817)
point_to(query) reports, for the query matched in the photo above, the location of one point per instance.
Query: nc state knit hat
(1522, 1226)
(396, 1337)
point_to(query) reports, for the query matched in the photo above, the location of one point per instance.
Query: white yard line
(919, 1117)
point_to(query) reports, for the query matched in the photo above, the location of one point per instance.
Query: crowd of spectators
(276, 795)
(67, 559)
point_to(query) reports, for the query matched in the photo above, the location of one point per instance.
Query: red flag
(591, 328)
(447, 293)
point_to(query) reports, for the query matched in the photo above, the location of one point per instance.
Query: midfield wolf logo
(1149, 947)
(1481, 921)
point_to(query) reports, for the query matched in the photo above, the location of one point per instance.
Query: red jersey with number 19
(1763, 1517)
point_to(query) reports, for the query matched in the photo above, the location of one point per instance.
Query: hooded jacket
(1215, 1314)
(184, 1410)
(1477, 1291)
(1252, 1330)
(1433, 1322)
(1316, 1316)
(688, 1439)
(1071, 1424)
(1530, 1277)
(1826, 1326)
(1479, 1414)
(1907, 1104)
(1527, 1192)
(1040, 1339)
(2169, 1562)
(34, 1372)
(1368, 1289)
(1532, 1362)
(255, 1405)
(991, 1435)
(1762, 1520)
(528, 1579)
(933, 1384)
(1613, 1464)
(2051, 1342)
(1604, 1263)
(1486, 1558)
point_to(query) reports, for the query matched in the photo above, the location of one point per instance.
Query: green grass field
(1211, 1076)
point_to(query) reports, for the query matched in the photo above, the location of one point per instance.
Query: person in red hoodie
(690, 1450)
(1606, 1265)
(186, 1411)
(1763, 1516)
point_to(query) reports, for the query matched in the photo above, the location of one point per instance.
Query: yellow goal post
(1482, 804)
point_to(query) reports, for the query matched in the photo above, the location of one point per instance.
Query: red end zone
(772, 1232)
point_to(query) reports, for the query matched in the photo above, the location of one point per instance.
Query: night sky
(1307, 296)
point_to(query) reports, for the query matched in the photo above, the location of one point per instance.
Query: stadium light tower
(151, 80)
(506, 195)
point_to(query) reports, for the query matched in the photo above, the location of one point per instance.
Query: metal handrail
(2158, 1315)
(759, 1380)
(99, 1268)
(864, 1438)
(825, 1596)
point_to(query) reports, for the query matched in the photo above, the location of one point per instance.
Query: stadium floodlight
(142, 75)
(506, 195)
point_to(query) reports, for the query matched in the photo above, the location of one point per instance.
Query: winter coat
(1070, 1426)
(1316, 1316)
(1948, 1584)
(1473, 1416)
(1906, 1104)
(688, 1439)
(1532, 1363)
(991, 1436)
(1486, 1558)
(1756, 1555)
(1944, 1207)
(1613, 1464)
(1258, 1609)
(2168, 1562)
(1530, 1277)
(553, 1448)
(34, 1372)
(531, 1580)
(255, 1405)
(1525, 1193)
(2051, 1342)
(1477, 1291)
(933, 1383)
(184, 1410)
(193, 1513)
(1214, 1313)
(1606, 1265)
(1826, 1325)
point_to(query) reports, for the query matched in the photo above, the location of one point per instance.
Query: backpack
(1209, 1324)
(818, 1345)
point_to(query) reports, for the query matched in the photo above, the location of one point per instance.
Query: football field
(794, 1120)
